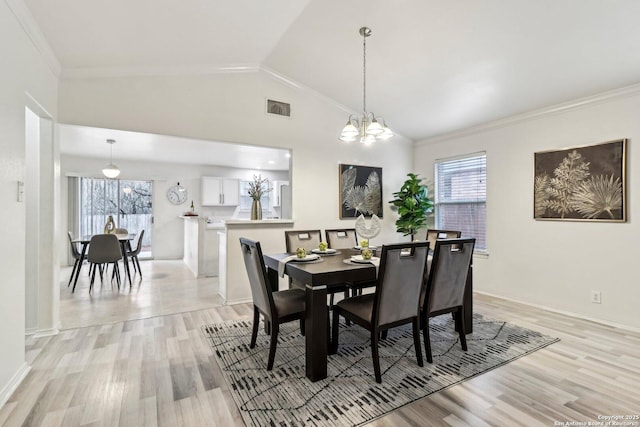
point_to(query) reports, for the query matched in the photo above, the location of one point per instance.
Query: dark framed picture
(585, 183)
(360, 191)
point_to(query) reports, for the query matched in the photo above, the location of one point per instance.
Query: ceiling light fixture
(368, 127)
(111, 170)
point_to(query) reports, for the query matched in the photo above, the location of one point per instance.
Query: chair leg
(302, 329)
(333, 349)
(137, 262)
(416, 340)
(254, 330)
(427, 341)
(375, 333)
(461, 331)
(93, 276)
(275, 326)
(73, 272)
(331, 301)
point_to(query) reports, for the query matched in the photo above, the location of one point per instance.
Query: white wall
(230, 107)
(22, 71)
(552, 263)
(168, 229)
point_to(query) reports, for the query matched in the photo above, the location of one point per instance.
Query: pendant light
(367, 128)
(111, 170)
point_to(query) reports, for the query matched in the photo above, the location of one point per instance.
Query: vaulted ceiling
(433, 66)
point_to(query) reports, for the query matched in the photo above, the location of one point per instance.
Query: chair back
(121, 231)
(74, 248)
(433, 235)
(400, 281)
(261, 292)
(138, 248)
(104, 248)
(344, 238)
(448, 275)
(307, 239)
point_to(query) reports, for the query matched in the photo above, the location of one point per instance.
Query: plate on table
(373, 248)
(312, 257)
(327, 252)
(360, 260)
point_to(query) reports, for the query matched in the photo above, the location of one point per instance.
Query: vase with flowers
(257, 188)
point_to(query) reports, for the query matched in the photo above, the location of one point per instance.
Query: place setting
(323, 249)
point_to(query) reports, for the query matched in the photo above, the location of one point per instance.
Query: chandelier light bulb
(111, 170)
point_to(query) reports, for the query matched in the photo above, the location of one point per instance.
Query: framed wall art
(360, 191)
(585, 183)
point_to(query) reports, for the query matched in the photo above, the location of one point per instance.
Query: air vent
(278, 108)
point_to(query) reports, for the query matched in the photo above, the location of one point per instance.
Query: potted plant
(413, 205)
(257, 188)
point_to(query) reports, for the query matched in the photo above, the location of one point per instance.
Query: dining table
(125, 244)
(322, 274)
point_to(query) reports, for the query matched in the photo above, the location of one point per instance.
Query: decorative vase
(256, 210)
(110, 226)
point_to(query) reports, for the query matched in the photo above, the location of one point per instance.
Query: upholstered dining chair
(76, 256)
(276, 307)
(309, 240)
(346, 238)
(395, 302)
(104, 249)
(133, 254)
(433, 235)
(124, 231)
(446, 283)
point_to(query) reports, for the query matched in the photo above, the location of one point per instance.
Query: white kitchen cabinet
(276, 193)
(219, 191)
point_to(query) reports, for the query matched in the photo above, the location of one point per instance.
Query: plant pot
(256, 210)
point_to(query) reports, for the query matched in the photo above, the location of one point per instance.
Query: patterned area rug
(349, 396)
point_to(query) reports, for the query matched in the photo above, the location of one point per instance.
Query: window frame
(474, 201)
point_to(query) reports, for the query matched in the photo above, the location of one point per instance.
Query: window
(246, 200)
(128, 201)
(461, 196)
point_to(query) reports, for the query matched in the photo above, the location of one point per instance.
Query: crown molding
(187, 70)
(539, 113)
(32, 30)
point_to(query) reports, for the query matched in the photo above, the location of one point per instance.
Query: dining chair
(395, 302)
(104, 249)
(276, 307)
(133, 254)
(76, 256)
(309, 240)
(445, 288)
(346, 238)
(124, 231)
(433, 235)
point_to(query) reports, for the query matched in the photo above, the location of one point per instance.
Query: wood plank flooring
(160, 371)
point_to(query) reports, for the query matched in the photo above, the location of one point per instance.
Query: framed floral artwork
(585, 183)
(360, 191)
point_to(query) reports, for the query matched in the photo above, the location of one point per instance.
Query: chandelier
(367, 128)
(111, 170)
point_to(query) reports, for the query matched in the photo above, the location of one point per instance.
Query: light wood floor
(161, 372)
(166, 287)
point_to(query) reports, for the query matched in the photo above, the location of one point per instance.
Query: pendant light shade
(111, 170)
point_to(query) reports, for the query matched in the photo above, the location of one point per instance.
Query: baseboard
(13, 383)
(566, 313)
(236, 301)
(39, 333)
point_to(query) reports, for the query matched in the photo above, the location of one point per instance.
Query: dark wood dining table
(318, 276)
(124, 240)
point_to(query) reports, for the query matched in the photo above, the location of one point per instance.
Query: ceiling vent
(278, 108)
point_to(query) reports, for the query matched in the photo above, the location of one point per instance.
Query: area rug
(349, 396)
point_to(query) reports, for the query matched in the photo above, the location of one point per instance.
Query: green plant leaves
(414, 205)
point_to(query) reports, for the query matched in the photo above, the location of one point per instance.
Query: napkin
(282, 263)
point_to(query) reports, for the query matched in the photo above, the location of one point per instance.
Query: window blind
(461, 196)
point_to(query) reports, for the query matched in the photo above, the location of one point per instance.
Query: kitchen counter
(201, 245)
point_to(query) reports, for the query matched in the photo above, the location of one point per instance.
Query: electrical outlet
(596, 297)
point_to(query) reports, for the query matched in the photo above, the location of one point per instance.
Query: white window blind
(461, 196)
